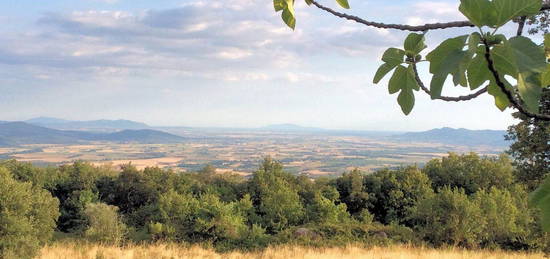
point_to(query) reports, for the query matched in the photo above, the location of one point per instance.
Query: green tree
(352, 191)
(470, 172)
(278, 203)
(323, 210)
(449, 217)
(531, 147)
(104, 224)
(507, 217)
(396, 192)
(28, 217)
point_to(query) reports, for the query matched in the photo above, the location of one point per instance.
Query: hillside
(93, 125)
(456, 137)
(19, 133)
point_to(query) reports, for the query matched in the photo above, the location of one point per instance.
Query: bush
(470, 172)
(507, 218)
(395, 192)
(27, 217)
(449, 217)
(105, 225)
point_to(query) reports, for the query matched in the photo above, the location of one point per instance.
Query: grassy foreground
(161, 251)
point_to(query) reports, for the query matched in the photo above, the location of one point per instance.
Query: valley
(240, 151)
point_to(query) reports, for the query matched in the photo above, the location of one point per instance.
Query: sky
(219, 63)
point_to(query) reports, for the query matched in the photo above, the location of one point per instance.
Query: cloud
(197, 39)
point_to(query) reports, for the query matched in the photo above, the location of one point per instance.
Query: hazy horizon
(230, 63)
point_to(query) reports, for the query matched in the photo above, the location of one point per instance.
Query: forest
(465, 200)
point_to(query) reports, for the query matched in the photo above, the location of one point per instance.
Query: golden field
(161, 251)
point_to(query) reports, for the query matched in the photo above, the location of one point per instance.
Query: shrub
(449, 217)
(507, 219)
(395, 192)
(105, 225)
(470, 172)
(27, 217)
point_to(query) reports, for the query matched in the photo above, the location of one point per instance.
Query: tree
(395, 192)
(449, 217)
(352, 191)
(278, 203)
(470, 172)
(104, 224)
(27, 217)
(507, 218)
(531, 147)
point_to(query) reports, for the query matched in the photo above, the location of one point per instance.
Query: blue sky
(223, 63)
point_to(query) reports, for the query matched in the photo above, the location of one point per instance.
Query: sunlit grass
(161, 251)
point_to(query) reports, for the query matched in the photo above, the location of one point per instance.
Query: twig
(446, 98)
(521, 25)
(404, 27)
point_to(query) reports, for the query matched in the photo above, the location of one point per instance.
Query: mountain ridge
(98, 125)
(21, 133)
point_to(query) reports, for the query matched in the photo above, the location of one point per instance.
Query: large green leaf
(447, 55)
(448, 58)
(288, 14)
(414, 43)
(406, 101)
(547, 45)
(382, 71)
(394, 56)
(436, 85)
(479, 12)
(398, 79)
(530, 91)
(528, 56)
(504, 60)
(478, 71)
(343, 3)
(506, 10)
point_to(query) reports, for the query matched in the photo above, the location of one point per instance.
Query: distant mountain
(142, 136)
(457, 137)
(19, 133)
(290, 127)
(94, 125)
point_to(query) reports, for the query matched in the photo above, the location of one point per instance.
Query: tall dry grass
(162, 251)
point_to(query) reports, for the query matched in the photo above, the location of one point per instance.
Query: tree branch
(446, 98)
(521, 25)
(404, 27)
(515, 102)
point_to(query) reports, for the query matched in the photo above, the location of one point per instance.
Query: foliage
(507, 217)
(531, 147)
(396, 192)
(449, 217)
(104, 224)
(27, 217)
(352, 191)
(470, 172)
(278, 204)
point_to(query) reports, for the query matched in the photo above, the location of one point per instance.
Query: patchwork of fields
(240, 152)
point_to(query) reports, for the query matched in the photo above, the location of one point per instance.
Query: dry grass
(161, 251)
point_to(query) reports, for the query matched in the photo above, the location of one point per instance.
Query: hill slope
(457, 137)
(19, 133)
(86, 125)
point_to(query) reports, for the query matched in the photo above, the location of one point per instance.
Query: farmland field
(240, 152)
